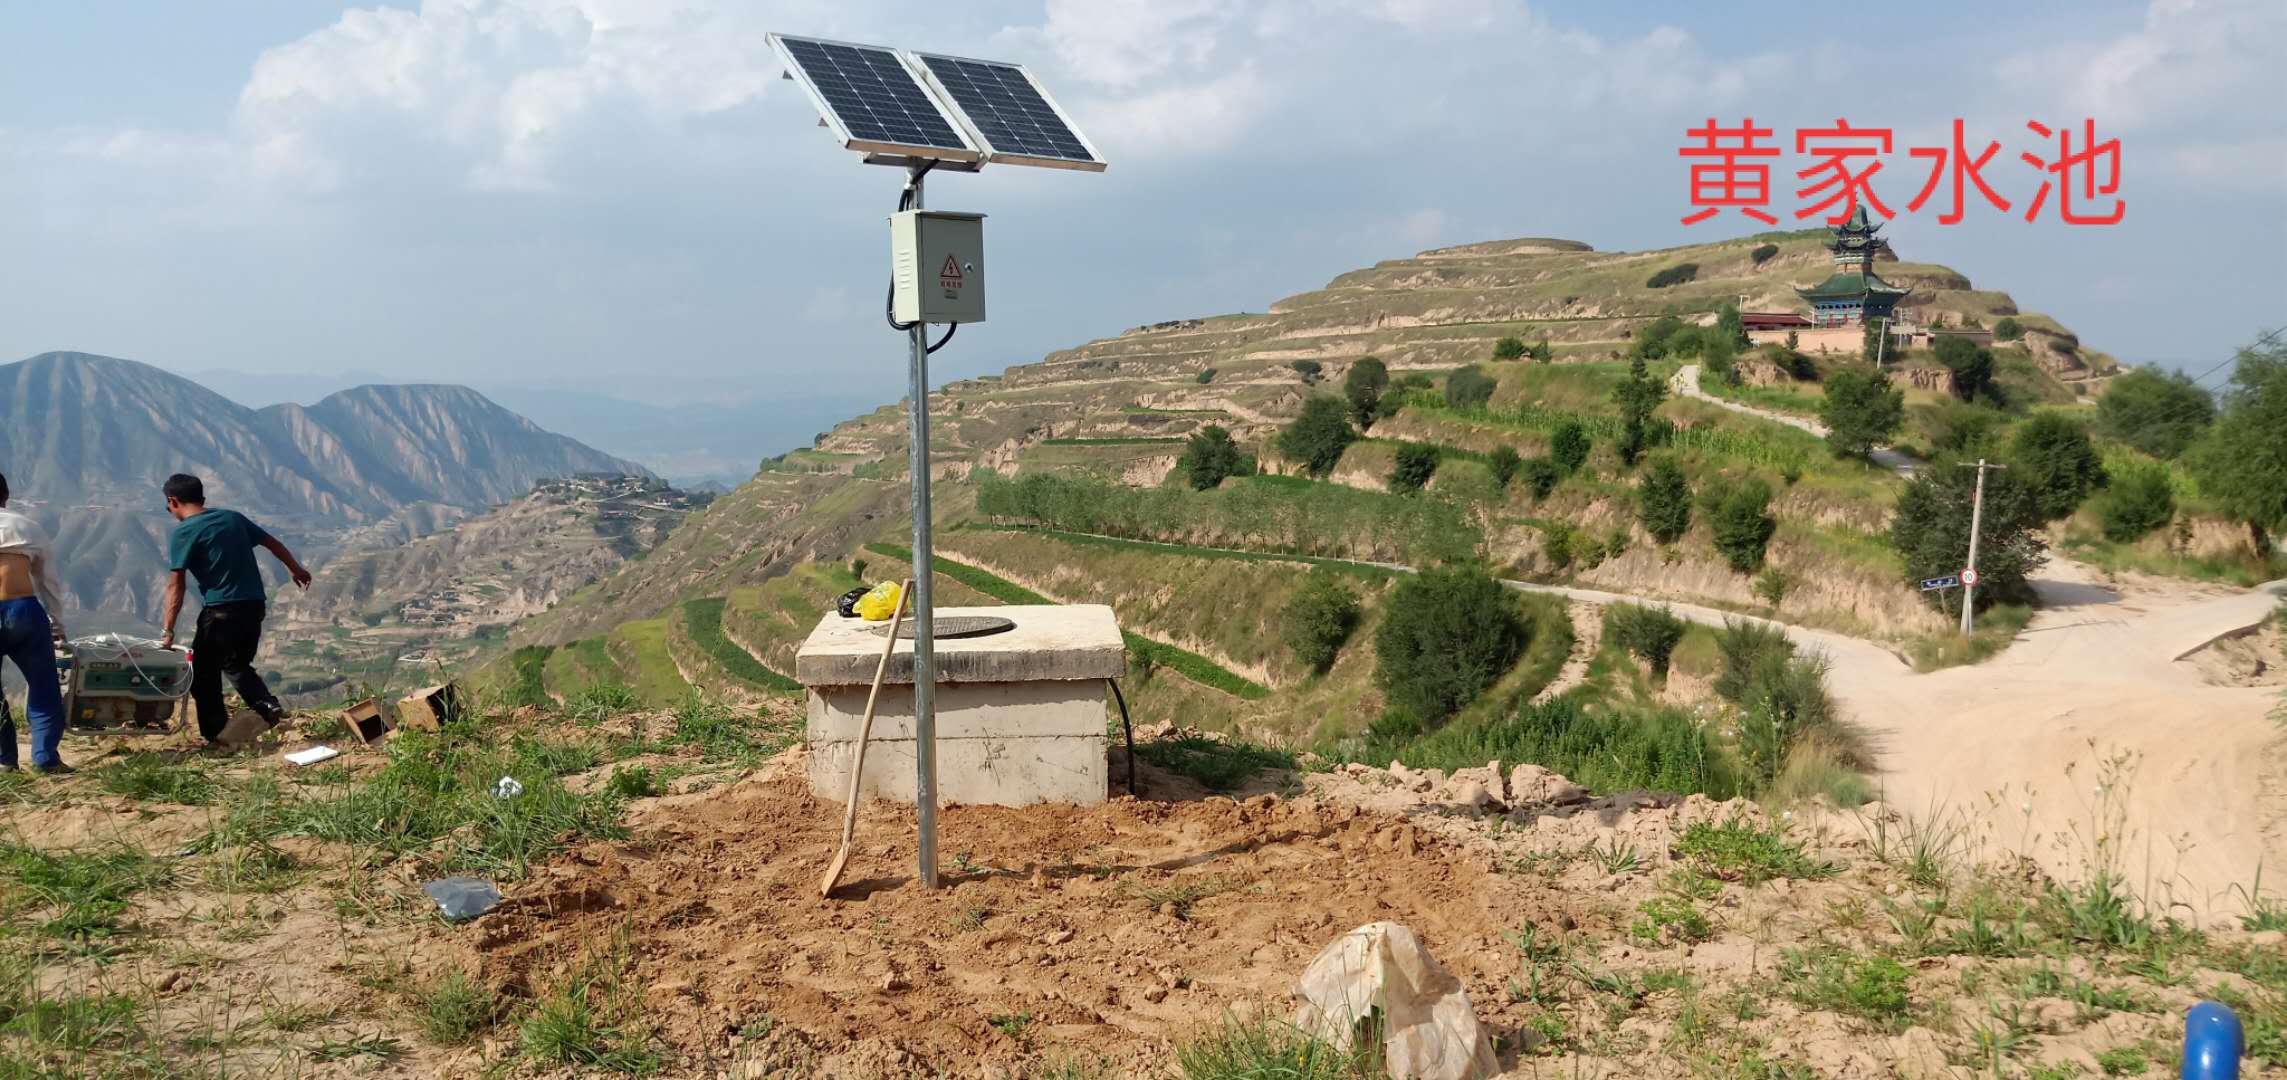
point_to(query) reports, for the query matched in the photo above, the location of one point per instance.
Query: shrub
(1773, 585)
(1674, 275)
(1568, 447)
(1743, 524)
(1447, 634)
(1862, 411)
(1541, 352)
(1972, 366)
(1362, 387)
(2139, 500)
(1649, 633)
(2007, 329)
(1637, 396)
(1663, 501)
(1541, 475)
(1556, 544)
(1468, 388)
(1931, 530)
(2159, 413)
(1319, 619)
(1318, 436)
(1308, 369)
(2242, 464)
(1416, 463)
(1211, 456)
(1509, 348)
(1762, 253)
(1504, 464)
(2054, 457)
(1730, 328)
(1954, 427)
(1207, 376)
(1784, 702)
(1659, 337)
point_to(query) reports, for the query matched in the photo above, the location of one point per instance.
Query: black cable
(949, 328)
(1130, 729)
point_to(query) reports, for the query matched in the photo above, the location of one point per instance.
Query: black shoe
(57, 769)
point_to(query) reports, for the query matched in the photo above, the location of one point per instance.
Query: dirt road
(2091, 739)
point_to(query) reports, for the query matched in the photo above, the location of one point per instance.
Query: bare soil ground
(1632, 935)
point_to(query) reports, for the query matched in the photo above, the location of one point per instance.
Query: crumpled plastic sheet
(1429, 1031)
(462, 898)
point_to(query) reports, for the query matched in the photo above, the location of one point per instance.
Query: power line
(2264, 340)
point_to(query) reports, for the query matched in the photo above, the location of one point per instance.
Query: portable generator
(119, 685)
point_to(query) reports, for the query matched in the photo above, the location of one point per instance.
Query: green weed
(454, 1009)
(1869, 987)
(1739, 850)
(1261, 1048)
(153, 778)
(1217, 764)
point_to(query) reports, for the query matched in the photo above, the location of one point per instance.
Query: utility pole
(1976, 523)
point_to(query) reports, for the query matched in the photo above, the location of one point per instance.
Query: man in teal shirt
(217, 548)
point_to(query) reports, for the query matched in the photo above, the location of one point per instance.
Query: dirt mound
(1112, 930)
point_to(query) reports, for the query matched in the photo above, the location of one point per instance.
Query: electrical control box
(937, 266)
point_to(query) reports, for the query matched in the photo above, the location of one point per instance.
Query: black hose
(1129, 728)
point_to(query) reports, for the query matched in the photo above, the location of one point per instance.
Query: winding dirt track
(2090, 727)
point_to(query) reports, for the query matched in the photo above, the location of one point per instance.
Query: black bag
(848, 604)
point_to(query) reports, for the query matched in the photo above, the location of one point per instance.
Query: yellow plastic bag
(880, 602)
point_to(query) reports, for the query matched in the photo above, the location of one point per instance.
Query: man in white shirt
(29, 599)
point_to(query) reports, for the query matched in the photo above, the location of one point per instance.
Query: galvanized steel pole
(1976, 523)
(924, 612)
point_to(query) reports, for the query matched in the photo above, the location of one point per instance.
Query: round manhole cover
(963, 626)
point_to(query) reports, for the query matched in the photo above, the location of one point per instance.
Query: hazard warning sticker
(949, 276)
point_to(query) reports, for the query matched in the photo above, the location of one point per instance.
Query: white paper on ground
(312, 756)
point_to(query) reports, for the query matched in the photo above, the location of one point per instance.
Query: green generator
(118, 685)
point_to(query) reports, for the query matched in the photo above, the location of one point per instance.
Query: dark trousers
(24, 639)
(227, 637)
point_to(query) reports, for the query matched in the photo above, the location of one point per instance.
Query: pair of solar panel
(923, 105)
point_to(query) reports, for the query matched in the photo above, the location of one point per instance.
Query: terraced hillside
(1054, 478)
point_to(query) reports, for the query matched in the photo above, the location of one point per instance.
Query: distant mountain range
(694, 432)
(87, 440)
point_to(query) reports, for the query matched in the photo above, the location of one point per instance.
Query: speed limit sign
(1969, 577)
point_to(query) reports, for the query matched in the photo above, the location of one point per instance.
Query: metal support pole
(1976, 522)
(924, 611)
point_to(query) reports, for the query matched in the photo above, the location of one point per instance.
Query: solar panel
(1009, 113)
(873, 100)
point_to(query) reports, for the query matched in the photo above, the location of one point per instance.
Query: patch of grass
(153, 778)
(1366, 571)
(721, 733)
(1995, 628)
(703, 620)
(633, 782)
(1013, 1025)
(593, 1017)
(454, 1009)
(1739, 850)
(1671, 919)
(527, 677)
(1181, 894)
(435, 797)
(1616, 748)
(2131, 1059)
(1871, 988)
(1218, 764)
(1264, 1048)
(378, 1047)
(84, 891)
(591, 705)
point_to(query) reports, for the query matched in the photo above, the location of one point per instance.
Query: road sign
(1933, 584)
(1969, 577)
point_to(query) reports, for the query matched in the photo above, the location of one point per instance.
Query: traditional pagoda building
(1853, 294)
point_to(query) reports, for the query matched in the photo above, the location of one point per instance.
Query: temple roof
(1850, 286)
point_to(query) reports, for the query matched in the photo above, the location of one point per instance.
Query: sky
(623, 195)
